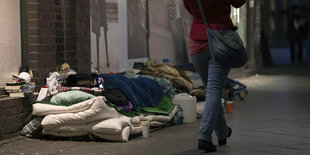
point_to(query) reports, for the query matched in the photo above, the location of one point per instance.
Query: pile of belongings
(108, 106)
(235, 89)
(19, 86)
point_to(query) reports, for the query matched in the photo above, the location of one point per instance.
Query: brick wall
(57, 32)
(53, 32)
(13, 113)
(69, 32)
(59, 28)
(42, 45)
(83, 35)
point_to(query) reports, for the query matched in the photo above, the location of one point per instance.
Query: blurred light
(272, 5)
(251, 3)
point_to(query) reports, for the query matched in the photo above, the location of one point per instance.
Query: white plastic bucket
(189, 105)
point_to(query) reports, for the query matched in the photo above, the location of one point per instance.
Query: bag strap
(202, 13)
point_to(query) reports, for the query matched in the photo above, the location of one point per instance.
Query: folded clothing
(159, 120)
(34, 126)
(127, 108)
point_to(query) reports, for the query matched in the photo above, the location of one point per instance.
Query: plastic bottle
(180, 115)
(165, 60)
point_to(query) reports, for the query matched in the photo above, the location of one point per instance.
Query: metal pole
(147, 30)
(97, 44)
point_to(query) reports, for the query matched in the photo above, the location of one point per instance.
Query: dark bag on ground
(226, 46)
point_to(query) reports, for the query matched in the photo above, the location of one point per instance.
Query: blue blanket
(142, 92)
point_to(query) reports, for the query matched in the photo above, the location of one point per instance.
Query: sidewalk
(273, 119)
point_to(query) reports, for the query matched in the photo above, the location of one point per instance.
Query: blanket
(164, 107)
(177, 77)
(94, 116)
(97, 111)
(90, 116)
(159, 120)
(169, 89)
(142, 92)
(113, 129)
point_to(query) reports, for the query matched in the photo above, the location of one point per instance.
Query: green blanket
(164, 107)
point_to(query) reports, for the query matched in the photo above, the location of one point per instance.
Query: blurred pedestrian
(297, 30)
(212, 74)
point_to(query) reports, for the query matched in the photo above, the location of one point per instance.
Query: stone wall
(10, 44)
(13, 113)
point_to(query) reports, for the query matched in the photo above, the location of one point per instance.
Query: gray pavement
(273, 119)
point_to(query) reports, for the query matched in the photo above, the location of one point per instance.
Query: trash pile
(20, 85)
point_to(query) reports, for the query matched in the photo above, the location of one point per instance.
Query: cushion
(71, 97)
(112, 125)
(121, 137)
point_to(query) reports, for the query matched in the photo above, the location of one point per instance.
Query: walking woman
(212, 74)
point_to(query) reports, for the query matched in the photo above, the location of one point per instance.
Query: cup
(145, 125)
(229, 106)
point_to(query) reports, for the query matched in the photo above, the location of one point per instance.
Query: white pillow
(112, 125)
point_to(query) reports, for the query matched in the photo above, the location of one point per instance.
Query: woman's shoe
(224, 141)
(207, 146)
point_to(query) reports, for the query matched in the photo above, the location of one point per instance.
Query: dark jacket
(293, 33)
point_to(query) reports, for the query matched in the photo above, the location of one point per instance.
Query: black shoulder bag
(226, 46)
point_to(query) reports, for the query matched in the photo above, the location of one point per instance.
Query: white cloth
(98, 110)
(41, 109)
(94, 116)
